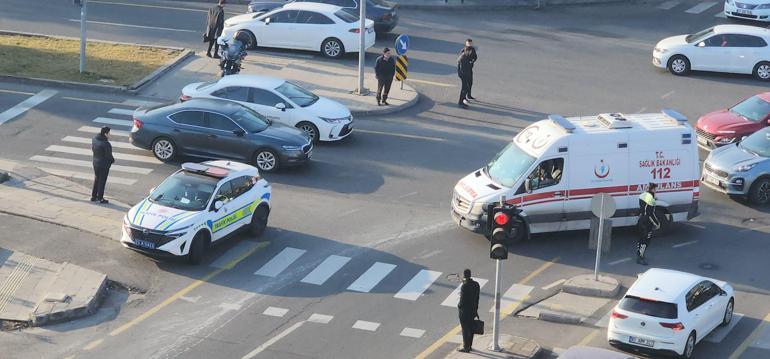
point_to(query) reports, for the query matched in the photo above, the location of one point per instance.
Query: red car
(730, 125)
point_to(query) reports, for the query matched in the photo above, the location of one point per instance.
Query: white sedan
(737, 49)
(330, 29)
(280, 101)
(748, 9)
(668, 312)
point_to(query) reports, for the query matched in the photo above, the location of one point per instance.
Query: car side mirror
(281, 106)
(239, 132)
(722, 292)
(267, 21)
(701, 44)
(218, 205)
(152, 190)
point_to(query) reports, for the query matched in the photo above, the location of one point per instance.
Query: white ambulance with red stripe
(553, 167)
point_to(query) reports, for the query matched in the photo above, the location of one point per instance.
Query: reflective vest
(647, 198)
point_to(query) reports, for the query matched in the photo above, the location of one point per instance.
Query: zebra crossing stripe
(371, 277)
(720, 333)
(275, 312)
(721, 14)
(89, 164)
(516, 293)
(412, 333)
(280, 262)
(233, 253)
(87, 152)
(454, 298)
(121, 111)
(114, 144)
(325, 270)
(87, 176)
(364, 325)
(320, 318)
(668, 5)
(697, 9)
(114, 121)
(91, 129)
(417, 285)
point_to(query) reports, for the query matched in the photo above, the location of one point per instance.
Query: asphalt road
(383, 195)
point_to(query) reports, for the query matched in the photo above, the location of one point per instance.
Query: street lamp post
(83, 5)
(361, 49)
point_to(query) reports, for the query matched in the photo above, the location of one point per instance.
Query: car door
(243, 201)
(712, 54)
(545, 191)
(699, 318)
(238, 94)
(281, 30)
(713, 303)
(265, 102)
(226, 139)
(314, 27)
(748, 51)
(221, 222)
(189, 132)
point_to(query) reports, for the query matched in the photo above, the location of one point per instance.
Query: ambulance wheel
(760, 191)
(259, 221)
(665, 220)
(197, 248)
(518, 232)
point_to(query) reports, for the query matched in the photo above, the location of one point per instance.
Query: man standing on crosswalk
(468, 308)
(102, 150)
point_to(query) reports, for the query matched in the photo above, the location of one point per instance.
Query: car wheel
(164, 149)
(689, 347)
(762, 71)
(310, 129)
(197, 248)
(259, 221)
(728, 313)
(266, 160)
(252, 43)
(332, 48)
(679, 65)
(760, 191)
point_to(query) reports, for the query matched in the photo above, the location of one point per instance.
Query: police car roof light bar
(676, 116)
(205, 170)
(563, 122)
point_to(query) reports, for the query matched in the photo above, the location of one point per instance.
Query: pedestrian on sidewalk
(384, 70)
(468, 308)
(648, 222)
(214, 26)
(473, 58)
(102, 150)
(465, 72)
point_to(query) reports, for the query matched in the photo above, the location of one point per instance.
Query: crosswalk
(705, 7)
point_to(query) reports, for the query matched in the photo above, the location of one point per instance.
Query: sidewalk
(324, 77)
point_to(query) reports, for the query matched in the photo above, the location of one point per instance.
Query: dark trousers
(470, 84)
(467, 329)
(383, 89)
(645, 234)
(465, 87)
(216, 47)
(100, 180)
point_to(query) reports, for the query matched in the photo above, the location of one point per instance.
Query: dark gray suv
(218, 129)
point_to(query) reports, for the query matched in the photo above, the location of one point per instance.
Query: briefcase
(478, 327)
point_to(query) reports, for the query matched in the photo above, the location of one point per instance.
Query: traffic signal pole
(362, 49)
(495, 346)
(83, 7)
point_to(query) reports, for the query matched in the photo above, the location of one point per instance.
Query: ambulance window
(547, 173)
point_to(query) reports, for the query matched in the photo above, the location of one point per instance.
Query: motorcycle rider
(232, 54)
(648, 222)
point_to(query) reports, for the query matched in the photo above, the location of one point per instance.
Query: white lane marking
(87, 141)
(275, 312)
(121, 111)
(364, 325)
(280, 262)
(91, 129)
(619, 261)
(88, 164)
(454, 298)
(371, 277)
(235, 252)
(272, 341)
(412, 333)
(133, 26)
(325, 270)
(140, 103)
(684, 244)
(87, 176)
(431, 83)
(558, 282)
(191, 299)
(87, 152)
(320, 318)
(720, 333)
(721, 14)
(668, 5)
(605, 320)
(26, 105)
(667, 94)
(114, 121)
(697, 9)
(407, 195)
(230, 306)
(516, 293)
(417, 285)
(345, 214)
(402, 135)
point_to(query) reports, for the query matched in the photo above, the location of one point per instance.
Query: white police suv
(197, 206)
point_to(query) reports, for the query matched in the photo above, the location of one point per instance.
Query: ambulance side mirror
(152, 190)
(218, 205)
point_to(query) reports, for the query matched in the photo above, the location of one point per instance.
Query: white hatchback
(281, 101)
(330, 29)
(668, 312)
(739, 49)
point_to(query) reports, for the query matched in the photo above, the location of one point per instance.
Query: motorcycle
(232, 53)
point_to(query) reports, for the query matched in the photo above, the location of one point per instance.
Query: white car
(748, 9)
(330, 29)
(280, 101)
(668, 312)
(197, 206)
(739, 49)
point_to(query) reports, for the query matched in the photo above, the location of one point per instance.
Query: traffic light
(499, 219)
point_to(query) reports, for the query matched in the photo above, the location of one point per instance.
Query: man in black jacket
(384, 69)
(102, 149)
(465, 72)
(473, 58)
(468, 308)
(214, 26)
(648, 222)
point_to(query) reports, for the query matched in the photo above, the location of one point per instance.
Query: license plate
(744, 11)
(712, 180)
(144, 244)
(641, 341)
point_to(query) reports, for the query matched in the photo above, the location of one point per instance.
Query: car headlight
(336, 120)
(660, 50)
(292, 148)
(176, 233)
(763, 6)
(744, 168)
(725, 140)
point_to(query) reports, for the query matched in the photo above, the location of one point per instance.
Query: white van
(553, 167)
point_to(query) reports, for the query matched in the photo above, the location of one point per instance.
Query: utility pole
(362, 48)
(83, 5)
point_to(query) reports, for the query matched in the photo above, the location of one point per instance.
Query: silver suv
(741, 169)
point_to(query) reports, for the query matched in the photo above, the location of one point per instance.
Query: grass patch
(59, 59)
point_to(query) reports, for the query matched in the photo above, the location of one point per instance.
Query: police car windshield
(758, 143)
(186, 191)
(509, 165)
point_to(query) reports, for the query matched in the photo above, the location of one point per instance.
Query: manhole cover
(708, 266)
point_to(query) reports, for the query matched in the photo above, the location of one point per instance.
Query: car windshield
(300, 96)
(185, 191)
(346, 15)
(753, 109)
(699, 36)
(758, 143)
(250, 120)
(509, 165)
(649, 307)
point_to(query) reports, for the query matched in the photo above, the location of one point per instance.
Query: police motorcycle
(232, 53)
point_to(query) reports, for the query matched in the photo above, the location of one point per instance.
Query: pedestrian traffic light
(500, 218)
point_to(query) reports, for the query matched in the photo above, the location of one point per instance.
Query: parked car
(218, 129)
(669, 312)
(747, 9)
(586, 352)
(280, 101)
(739, 49)
(383, 13)
(742, 169)
(732, 124)
(330, 29)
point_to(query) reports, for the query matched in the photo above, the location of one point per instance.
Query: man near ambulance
(647, 221)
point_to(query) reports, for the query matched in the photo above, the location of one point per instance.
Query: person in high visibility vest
(648, 222)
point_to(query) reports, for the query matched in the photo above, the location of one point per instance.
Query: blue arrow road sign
(402, 44)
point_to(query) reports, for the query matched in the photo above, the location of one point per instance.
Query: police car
(197, 206)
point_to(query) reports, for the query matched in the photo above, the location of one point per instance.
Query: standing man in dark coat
(468, 308)
(473, 58)
(214, 26)
(102, 149)
(465, 72)
(384, 69)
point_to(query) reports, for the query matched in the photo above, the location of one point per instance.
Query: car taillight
(138, 123)
(617, 315)
(355, 31)
(184, 98)
(673, 326)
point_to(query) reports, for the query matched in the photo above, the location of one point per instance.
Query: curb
(136, 86)
(88, 308)
(392, 109)
(562, 318)
(605, 287)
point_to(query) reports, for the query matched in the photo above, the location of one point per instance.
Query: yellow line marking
(745, 345)
(185, 290)
(17, 92)
(432, 83)
(588, 338)
(96, 101)
(504, 313)
(93, 344)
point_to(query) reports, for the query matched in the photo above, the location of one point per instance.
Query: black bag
(478, 326)
(206, 36)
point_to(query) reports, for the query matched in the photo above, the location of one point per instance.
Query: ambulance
(552, 168)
